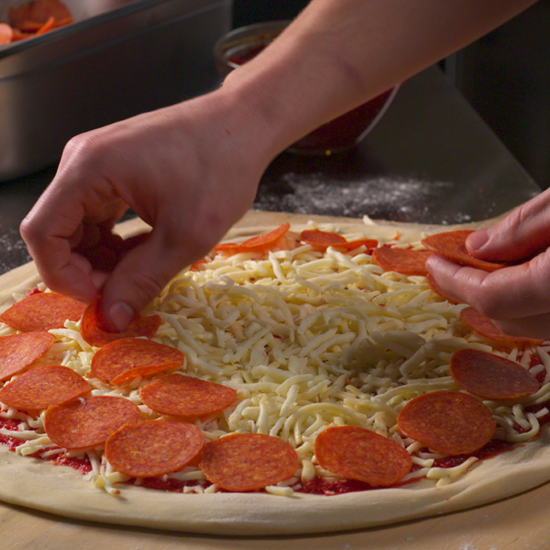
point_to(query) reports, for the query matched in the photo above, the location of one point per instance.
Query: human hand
(177, 169)
(517, 298)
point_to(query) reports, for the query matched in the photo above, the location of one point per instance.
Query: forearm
(339, 53)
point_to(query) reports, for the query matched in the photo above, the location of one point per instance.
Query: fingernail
(478, 239)
(121, 314)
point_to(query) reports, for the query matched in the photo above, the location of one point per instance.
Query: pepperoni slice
(321, 239)
(401, 260)
(18, 351)
(179, 395)
(434, 285)
(452, 246)
(42, 311)
(448, 422)
(267, 238)
(88, 422)
(369, 244)
(124, 360)
(95, 335)
(41, 387)
(490, 376)
(248, 462)
(357, 453)
(154, 448)
(481, 324)
(258, 243)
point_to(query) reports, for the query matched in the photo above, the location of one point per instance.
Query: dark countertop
(431, 159)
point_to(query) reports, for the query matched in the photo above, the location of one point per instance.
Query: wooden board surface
(513, 524)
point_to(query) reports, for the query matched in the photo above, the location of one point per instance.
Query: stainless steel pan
(118, 59)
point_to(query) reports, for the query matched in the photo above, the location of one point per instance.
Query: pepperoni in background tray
(447, 422)
(248, 462)
(483, 326)
(95, 335)
(434, 285)
(321, 239)
(452, 246)
(491, 376)
(154, 448)
(180, 395)
(358, 453)
(123, 360)
(406, 261)
(18, 351)
(42, 311)
(41, 387)
(88, 422)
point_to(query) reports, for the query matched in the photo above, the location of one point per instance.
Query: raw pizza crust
(61, 490)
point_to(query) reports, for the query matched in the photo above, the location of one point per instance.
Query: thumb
(139, 277)
(522, 234)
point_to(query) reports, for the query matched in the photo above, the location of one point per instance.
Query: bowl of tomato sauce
(341, 134)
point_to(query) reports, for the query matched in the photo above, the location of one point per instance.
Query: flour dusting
(380, 198)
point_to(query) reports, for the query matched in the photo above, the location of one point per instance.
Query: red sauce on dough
(10, 442)
(169, 485)
(322, 486)
(492, 449)
(82, 465)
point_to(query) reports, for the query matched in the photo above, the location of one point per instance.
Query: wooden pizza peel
(516, 523)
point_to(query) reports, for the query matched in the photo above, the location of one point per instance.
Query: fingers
(61, 269)
(536, 326)
(140, 276)
(522, 234)
(67, 230)
(515, 297)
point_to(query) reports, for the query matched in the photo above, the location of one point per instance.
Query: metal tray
(119, 58)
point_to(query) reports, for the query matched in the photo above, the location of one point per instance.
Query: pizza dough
(61, 490)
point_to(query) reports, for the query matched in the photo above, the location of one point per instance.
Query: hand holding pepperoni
(516, 297)
(175, 169)
(191, 170)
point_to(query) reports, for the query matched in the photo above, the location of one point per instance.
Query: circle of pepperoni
(481, 324)
(42, 311)
(358, 453)
(179, 395)
(153, 448)
(248, 462)
(18, 351)
(123, 360)
(490, 376)
(88, 422)
(448, 422)
(452, 246)
(93, 332)
(406, 261)
(41, 387)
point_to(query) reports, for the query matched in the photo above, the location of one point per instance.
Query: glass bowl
(341, 134)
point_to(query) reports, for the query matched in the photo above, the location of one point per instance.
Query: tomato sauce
(169, 485)
(10, 442)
